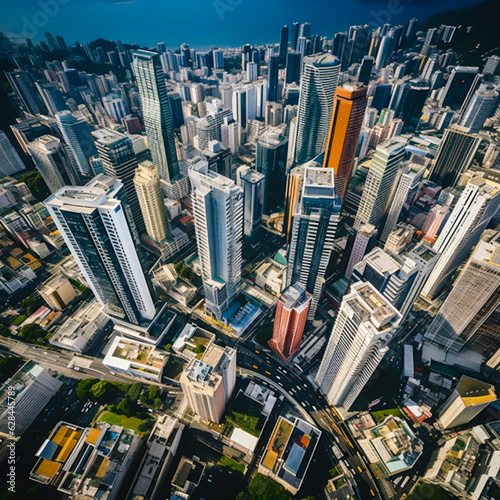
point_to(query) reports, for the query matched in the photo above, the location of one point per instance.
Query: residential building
(290, 320)
(218, 213)
(362, 331)
(209, 382)
(58, 292)
(252, 183)
(94, 226)
(362, 241)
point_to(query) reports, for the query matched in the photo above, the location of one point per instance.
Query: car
(279, 383)
(314, 408)
(360, 469)
(278, 377)
(303, 404)
(268, 373)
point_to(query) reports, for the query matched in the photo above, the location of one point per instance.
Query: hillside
(484, 36)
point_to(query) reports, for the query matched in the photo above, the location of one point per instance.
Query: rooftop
(474, 392)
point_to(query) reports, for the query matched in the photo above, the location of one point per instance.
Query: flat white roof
(244, 439)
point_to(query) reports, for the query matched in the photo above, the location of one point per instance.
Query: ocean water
(201, 23)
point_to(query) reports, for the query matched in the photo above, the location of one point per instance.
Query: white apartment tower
(147, 185)
(92, 221)
(218, 214)
(479, 202)
(364, 326)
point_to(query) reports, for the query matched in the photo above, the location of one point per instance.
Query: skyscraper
(349, 106)
(479, 109)
(384, 51)
(271, 156)
(293, 67)
(78, 136)
(411, 109)
(474, 298)
(29, 99)
(457, 87)
(290, 320)
(365, 70)
(118, 160)
(252, 183)
(295, 35)
(92, 221)
(361, 243)
(478, 203)
(454, 156)
(51, 161)
(147, 185)
(319, 80)
(273, 78)
(314, 224)
(218, 215)
(406, 190)
(380, 182)
(10, 162)
(359, 340)
(157, 113)
(283, 45)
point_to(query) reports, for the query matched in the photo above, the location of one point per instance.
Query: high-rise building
(295, 35)
(78, 136)
(365, 70)
(399, 278)
(474, 298)
(92, 221)
(218, 216)
(29, 99)
(349, 106)
(218, 56)
(283, 45)
(10, 162)
(271, 157)
(435, 220)
(273, 78)
(362, 241)
(52, 97)
(115, 107)
(454, 156)
(359, 340)
(209, 382)
(293, 66)
(481, 106)
(320, 75)
(358, 45)
(384, 51)
(459, 83)
(314, 224)
(380, 182)
(470, 397)
(157, 113)
(252, 183)
(50, 160)
(406, 191)
(411, 109)
(476, 206)
(147, 185)
(290, 320)
(116, 152)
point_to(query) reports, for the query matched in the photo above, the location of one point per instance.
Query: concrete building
(469, 398)
(58, 292)
(218, 213)
(147, 185)
(10, 162)
(363, 239)
(362, 331)
(33, 388)
(399, 238)
(478, 203)
(290, 320)
(208, 383)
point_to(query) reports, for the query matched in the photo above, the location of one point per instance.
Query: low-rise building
(271, 276)
(58, 292)
(135, 358)
(289, 452)
(188, 474)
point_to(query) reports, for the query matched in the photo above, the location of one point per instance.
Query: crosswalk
(20, 348)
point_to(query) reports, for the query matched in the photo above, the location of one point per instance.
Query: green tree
(9, 366)
(199, 349)
(168, 347)
(135, 391)
(126, 406)
(157, 403)
(101, 390)
(20, 319)
(153, 392)
(33, 333)
(84, 386)
(264, 488)
(4, 331)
